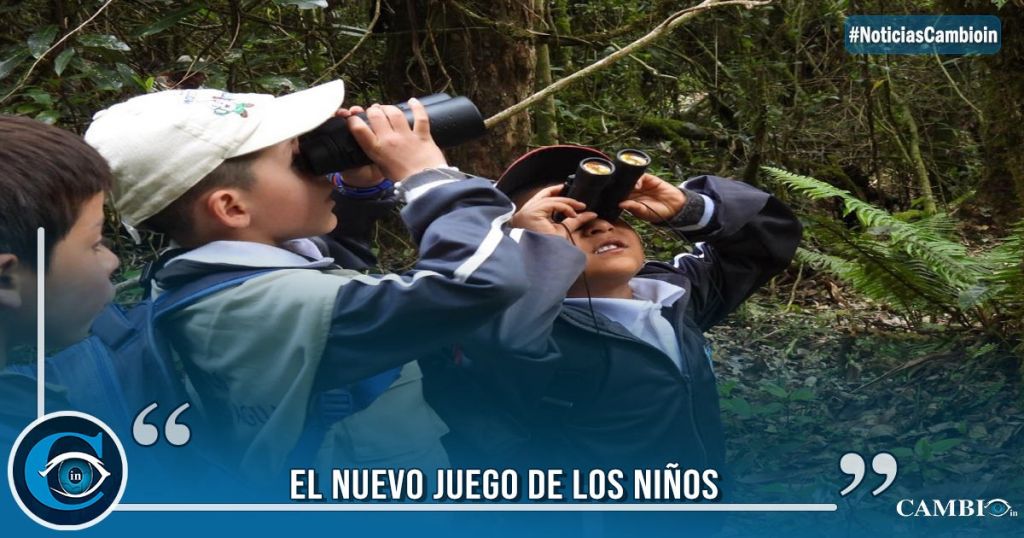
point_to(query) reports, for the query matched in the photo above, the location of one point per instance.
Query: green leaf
(146, 84)
(902, 452)
(945, 445)
(802, 394)
(922, 449)
(741, 407)
(277, 83)
(62, 60)
(770, 409)
(48, 116)
(169, 20)
(40, 41)
(106, 79)
(303, 4)
(972, 296)
(40, 97)
(8, 65)
(105, 41)
(774, 390)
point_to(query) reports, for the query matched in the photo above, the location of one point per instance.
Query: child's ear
(228, 208)
(10, 284)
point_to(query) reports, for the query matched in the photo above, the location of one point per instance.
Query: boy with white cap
(215, 171)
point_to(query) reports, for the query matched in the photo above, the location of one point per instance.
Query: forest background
(899, 326)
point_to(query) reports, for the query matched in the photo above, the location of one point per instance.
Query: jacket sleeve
(515, 355)
(743, 237)
(349, 243)
(468, 271)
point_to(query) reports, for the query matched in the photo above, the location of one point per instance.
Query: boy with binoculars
(222, 174)
(604, 363)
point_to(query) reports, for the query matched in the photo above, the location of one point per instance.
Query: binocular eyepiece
(332, 148)
(602, 184)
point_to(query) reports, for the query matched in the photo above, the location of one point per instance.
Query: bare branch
(59, 42)
(659, 31)
(369, 30)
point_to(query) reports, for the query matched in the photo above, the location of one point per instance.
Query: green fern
(917, 266)
(921, 240)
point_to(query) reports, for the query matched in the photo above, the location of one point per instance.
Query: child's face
(614, 252)
(77, 282)
(285, 202)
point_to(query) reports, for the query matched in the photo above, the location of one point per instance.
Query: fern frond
(923, 240)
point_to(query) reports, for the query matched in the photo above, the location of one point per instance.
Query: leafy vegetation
(916, 266)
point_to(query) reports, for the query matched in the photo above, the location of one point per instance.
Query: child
(603, 362)
(215, 172)
(49, 178)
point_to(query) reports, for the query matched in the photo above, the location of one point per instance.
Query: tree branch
(369, 30)
(665, 27)
(59, 42)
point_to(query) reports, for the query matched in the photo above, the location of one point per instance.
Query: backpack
(123, 367)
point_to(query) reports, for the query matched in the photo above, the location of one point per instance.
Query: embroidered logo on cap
(225, 104)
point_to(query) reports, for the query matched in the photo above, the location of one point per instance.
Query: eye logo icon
(998, 507)
(67, 471)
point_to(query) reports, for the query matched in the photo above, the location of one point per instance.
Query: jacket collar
(234, 255)
(297, 253)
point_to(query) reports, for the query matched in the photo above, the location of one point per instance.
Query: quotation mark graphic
(883, 463)
(147, 434)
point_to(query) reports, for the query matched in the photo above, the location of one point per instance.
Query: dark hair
(46, 174)
(177, 220)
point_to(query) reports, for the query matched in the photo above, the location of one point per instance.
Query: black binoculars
(331, 147)
(602, 184)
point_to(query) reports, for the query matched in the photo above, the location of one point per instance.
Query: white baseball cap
(161, 144)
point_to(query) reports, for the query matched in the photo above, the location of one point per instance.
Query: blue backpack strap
(88, 372)
(175, 299)
(330, 406)
(325, 408)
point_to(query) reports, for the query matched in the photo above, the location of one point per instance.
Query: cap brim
(544, 166)
(291, 115)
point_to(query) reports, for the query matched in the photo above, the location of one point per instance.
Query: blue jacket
(551, 384)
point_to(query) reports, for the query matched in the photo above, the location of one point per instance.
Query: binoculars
(331, 148)
(602, 184)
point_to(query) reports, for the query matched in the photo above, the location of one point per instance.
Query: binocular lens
(597, 166)
(602, 185)
(634, 158)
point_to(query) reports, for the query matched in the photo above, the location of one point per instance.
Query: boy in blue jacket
(51, 179)
(604, 362)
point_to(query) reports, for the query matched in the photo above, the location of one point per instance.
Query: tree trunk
(487, 65)
(1003, 90)
(905, 121)
(1001, 94)
(547, 126)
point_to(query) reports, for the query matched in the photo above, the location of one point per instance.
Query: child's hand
(398, 150)
(654, 200)
(363, 176)
(538, 213)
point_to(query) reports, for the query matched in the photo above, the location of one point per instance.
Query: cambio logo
(954, 508)
(67, 471)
